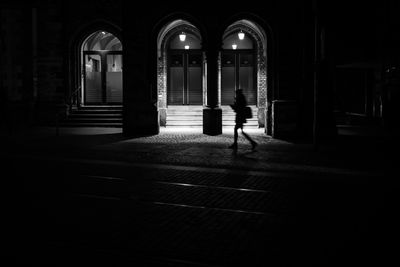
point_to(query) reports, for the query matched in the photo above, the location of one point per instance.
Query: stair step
(93, 120)
(90, 115)
(170, 123)
(101, 107)
(245, 125)
(180, 113)
(76, 124)
(185, 116)
(192, 116)
(185, 107)
(233, 116)
(184, 119)
(99, 111)
(94, 116)
(248, 121)
(186, 126)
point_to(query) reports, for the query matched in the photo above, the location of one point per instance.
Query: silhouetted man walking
(239, 107)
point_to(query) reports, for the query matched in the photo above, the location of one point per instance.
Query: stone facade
(40, 55)
(17, 96)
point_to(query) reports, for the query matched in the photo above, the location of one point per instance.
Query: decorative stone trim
(262, 83)
(162, 68)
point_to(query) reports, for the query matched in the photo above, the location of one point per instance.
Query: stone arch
(164, 35)
(77, 39)
(259, 37)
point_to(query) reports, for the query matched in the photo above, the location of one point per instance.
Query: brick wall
(15, 72)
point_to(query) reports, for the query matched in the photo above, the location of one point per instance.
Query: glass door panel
(93, 79)
(176, 80)
(246, 77)
(185, 78)
(228, 79)
(194, 90)
(237, 72)
(114, 78)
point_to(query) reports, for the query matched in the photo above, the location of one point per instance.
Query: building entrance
(238, 67)
(185, 78)
(103, 77)
(102, 70)
(237, 72)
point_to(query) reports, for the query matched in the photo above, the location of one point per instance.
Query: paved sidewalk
(182, 198)
(347, 154)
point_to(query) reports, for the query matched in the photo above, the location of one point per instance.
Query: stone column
(284, 119)
(212, 113)
(140, 111)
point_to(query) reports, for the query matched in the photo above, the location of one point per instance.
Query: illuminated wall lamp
(182, 37)
(186, 47)
(234, 46)
(241, 35)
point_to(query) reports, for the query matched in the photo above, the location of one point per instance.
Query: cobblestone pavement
(192, 148)
(186, 200)
(115, 213)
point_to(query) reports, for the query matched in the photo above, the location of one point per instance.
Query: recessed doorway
(102, 69)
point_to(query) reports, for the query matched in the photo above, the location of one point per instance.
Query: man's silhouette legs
(235, 138)
(253, 143)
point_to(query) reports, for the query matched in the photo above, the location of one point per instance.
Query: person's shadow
(242, 154)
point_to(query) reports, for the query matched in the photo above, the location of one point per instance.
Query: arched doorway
(243, 65)
(101, 57)
(238, 68)
(181, 76)
(184, 70)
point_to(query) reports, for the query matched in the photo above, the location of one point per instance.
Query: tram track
(182, 195)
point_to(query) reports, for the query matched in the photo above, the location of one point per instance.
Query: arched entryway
(181, 65)
(243, 66)
(101, 58)
(184, 70)
(238, 68)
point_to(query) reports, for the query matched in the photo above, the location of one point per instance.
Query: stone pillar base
(212, 121)
(261, 117)
(140, 119)
(49, 113)
(268, 120)
(163, 116)
(284, 119)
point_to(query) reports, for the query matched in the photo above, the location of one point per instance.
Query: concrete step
(193, 123)
(102, 121)
(100, 107)
(184, 118)
(192, 116)
(97, 111)
(181, 113)
(183, 123)
(248, 121)
(233, 116)
(246, 124)
(185, 107)
(186, 126)
(94, 116)
(93, 124)
(233, 119)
